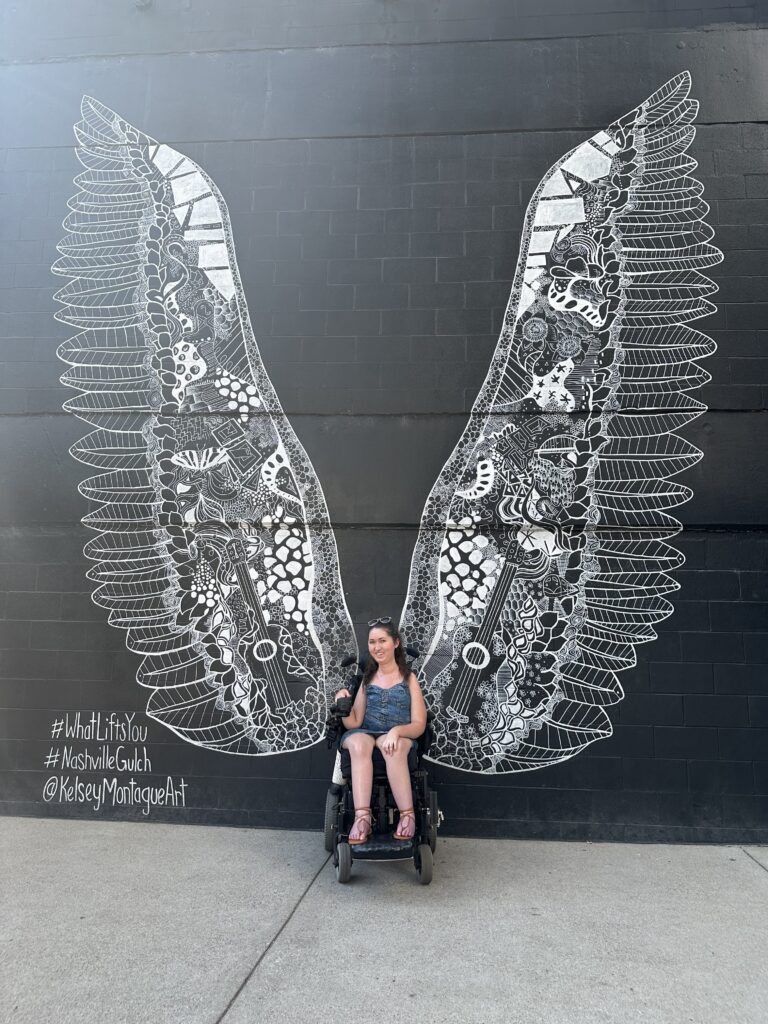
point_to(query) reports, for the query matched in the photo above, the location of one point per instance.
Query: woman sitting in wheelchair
(388, 712)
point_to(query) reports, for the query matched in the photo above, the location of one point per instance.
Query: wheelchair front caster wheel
(423, 859)
(342, 860)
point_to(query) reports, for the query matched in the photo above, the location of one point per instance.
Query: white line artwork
(213, 547)
(542, 557)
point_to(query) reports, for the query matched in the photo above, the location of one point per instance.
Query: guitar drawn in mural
(214, 548)
(543, 557)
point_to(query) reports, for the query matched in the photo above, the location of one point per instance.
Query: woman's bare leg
(400, 779)
(360, 747)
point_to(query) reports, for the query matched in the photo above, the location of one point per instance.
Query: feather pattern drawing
(543, 555)
(213, 546)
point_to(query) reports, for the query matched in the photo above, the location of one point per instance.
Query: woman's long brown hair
(400, 659)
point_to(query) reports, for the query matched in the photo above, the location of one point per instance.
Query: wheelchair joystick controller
(342, 707)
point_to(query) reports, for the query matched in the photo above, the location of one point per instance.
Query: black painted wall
(377, 158)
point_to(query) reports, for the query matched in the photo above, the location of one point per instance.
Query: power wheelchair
(340, 809)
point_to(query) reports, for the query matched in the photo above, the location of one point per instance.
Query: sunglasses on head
(383, 621)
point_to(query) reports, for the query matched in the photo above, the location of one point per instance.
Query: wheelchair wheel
(342, 860)
(434, 816)
(331, 813)
(423, 859)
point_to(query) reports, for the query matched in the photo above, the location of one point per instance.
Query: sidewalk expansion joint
(270, 944)
(753, 858)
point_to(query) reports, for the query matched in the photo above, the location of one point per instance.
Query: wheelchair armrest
(425, 740)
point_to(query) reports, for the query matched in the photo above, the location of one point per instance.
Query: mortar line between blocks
(271, 943)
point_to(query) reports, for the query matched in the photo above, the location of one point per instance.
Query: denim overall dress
(383, 709)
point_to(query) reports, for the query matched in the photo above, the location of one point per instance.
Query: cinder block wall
(377, 159)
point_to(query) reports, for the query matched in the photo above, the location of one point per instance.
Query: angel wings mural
(543, 556)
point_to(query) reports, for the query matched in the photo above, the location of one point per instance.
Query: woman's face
(381, 646)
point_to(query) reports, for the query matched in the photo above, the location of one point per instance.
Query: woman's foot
(406, 826)
(361, 830)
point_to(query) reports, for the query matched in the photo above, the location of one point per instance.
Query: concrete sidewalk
(160, 923)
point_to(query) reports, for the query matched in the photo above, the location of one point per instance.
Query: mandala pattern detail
(213, 545)
(543, 557)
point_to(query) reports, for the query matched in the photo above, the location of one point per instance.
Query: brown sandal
(365, 817)
(407, 813)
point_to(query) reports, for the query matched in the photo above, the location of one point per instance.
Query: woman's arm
(355, 718)
(418, 722)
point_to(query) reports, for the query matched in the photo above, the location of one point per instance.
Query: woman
(388, 712)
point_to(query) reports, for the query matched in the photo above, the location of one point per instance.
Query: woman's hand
(390, 741)
(342, 703)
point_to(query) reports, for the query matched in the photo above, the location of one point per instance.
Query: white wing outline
(214, 548)
(541, 560)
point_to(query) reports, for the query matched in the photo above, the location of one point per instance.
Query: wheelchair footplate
(383, 847)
